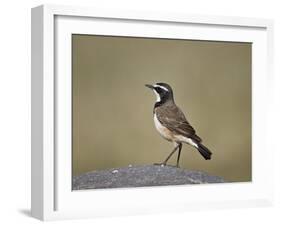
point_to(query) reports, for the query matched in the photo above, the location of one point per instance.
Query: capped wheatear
(171, 123)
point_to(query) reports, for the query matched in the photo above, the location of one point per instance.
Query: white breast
(164, 132)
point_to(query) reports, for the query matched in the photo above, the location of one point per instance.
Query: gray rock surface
(140, 176)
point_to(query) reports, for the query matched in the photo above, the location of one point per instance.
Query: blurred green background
(112, 109)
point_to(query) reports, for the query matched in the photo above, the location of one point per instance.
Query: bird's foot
(176, 166)
(165, 164)
(160, 164)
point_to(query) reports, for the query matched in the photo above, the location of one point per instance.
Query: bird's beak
(149, 86)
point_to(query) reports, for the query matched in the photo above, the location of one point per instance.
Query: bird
(172, 125)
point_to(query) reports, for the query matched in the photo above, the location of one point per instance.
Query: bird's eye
(159, 90)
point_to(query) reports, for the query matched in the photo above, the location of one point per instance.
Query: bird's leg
(166, 160)
(170, 155)
(179, 153)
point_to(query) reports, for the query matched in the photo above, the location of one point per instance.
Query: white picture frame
(52, 197)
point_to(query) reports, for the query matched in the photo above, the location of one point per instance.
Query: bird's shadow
(25, 212)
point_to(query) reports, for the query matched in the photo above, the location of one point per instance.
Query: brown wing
(172, 118)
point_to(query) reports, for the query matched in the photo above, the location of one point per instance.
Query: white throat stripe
(158, 99)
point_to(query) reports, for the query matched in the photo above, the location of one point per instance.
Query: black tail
(204, 151)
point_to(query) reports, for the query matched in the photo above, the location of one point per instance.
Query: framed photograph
(137, 112)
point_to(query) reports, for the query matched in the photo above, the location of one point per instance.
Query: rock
(140, 176)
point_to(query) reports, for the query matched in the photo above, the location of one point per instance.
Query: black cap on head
(167, 86)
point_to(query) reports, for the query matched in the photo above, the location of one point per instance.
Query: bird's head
(162, 91)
